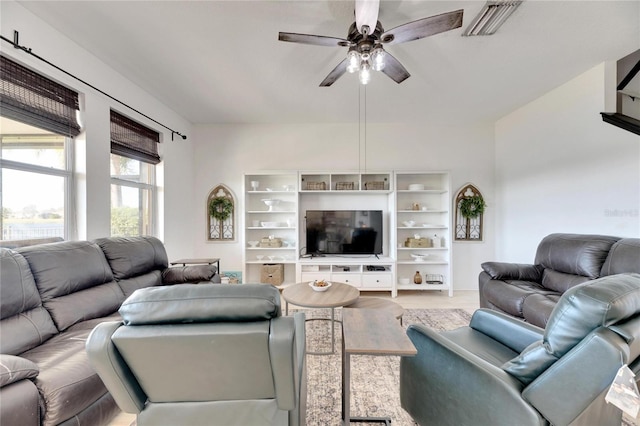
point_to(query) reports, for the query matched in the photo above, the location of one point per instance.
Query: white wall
(560, 168)
(224, 152)
(92, 162)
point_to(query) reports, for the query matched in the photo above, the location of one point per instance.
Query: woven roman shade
(31, 98)
(133, 140)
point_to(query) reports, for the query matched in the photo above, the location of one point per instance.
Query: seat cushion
(509, 296)
(580, 310)
(67, 382)
(537, 308)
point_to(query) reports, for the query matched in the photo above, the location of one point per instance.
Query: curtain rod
(15, 44)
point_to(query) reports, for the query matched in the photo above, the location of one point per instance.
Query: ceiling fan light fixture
(377, 58)
(365, 72)
(491, 17)
(353, 61)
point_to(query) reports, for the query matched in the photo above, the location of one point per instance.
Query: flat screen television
(344, 232)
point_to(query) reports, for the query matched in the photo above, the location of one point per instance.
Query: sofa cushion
(623, 257)
(576, 254)
(582, 309)
(74, 280)
(131, 256)
(508, 296)
(188, 303)
(559, 281)
(67, 382)
(537, 308)
(150, 279)
(24, 323)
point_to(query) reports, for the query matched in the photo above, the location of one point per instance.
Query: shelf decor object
(469, 212)
(220, 214)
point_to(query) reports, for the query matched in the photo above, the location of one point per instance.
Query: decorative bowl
(419, 257)
(416, 187)
(271, 203)
(409, 223)
(320, 285)
(253, 243)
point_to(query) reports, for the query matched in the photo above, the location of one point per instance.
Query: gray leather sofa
(204, 355)
(51, 297)
(531, 291)
(502, 371)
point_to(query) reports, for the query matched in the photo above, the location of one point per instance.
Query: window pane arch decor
(221, 209)
(469, 213)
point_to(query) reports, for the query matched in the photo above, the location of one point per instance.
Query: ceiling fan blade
(394, 69)
(367, 14)
(317, 40)
(337, 72)
(423, 28)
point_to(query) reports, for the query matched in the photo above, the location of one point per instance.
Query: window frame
(68, 174)
(153, 190)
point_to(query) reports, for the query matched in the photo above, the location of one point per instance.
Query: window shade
(133, 140)
(31, 98)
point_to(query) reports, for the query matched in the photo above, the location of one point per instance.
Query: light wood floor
(467, 300)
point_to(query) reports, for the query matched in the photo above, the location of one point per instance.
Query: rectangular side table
(369, 332)
(209, 261)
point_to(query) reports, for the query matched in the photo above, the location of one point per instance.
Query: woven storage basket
(375, 185)
(272, 273)
(316, 186)
(344, 186)
(270, 242)
(417, 242)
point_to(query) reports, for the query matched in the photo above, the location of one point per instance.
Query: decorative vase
(417, 278)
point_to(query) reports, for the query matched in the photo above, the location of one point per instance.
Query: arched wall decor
(469, 227)
(222, 227)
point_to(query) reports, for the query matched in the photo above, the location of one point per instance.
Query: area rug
(375, 380)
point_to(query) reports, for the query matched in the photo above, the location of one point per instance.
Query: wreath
(220, 208)
(472, 207)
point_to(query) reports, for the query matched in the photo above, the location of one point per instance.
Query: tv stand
(366, 273)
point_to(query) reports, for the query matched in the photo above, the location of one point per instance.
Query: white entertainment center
(416, 237)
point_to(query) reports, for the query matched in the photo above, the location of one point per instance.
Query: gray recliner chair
(204, 355)
(503, 371)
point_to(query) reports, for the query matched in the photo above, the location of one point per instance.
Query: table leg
(346, 386)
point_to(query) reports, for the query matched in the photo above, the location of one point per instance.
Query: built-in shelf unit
(416, 210)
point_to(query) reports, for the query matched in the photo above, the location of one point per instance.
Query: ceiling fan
(366, 38)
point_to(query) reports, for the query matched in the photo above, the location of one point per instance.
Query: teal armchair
(204, 354)
(502, 371)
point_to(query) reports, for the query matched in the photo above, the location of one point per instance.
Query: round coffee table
(337, 295)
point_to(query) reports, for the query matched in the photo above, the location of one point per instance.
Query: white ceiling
(221, 61)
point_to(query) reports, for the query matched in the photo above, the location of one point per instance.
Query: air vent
(491, 17)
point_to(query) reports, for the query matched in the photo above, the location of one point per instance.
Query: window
(36, 176)
(132, 197)
(38, 119)
(134, 153)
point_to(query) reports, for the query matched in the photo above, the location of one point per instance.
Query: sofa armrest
(190, 274)
(513, 271)
(114, 372)
(14, 368)
(511, 332)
